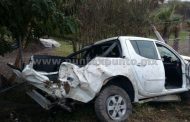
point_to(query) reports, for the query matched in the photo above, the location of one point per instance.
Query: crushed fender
(79, 83)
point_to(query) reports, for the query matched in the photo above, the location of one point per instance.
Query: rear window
(145, 48)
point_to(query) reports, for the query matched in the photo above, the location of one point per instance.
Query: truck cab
(160, 70)
(157, 68)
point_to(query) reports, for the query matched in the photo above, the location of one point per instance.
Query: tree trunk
(176, 41)
(74, 45)
(22, 44)
(165, 33)
(6, 82)
(176, 44)
(18, 61)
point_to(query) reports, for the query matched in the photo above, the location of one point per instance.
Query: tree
(166, 17)
(107, 18)
(5, 40)
(27, 20)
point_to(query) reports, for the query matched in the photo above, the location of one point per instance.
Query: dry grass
(161, 112)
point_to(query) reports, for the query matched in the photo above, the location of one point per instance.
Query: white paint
(185, 57)
(151, 77)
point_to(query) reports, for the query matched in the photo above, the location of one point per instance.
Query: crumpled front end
(78, 83)
(84, 83)
(33, 76)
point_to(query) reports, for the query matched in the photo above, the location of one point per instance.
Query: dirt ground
(27, 53)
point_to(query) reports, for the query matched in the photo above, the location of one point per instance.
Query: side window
(79, 58)
(105, 50)
(166, 54)
(135, 46)
(114, 52)
(79, 55)
(108, 49)
(145, 48)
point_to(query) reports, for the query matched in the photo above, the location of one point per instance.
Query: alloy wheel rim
(116, 107)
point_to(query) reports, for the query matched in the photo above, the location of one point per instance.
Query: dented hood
(79, 83)
(87, 81)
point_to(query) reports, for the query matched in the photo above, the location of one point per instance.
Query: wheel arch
(123, 82)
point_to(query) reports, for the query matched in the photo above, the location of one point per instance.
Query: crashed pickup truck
(113, 73)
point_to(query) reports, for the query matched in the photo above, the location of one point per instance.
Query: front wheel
(113, 104)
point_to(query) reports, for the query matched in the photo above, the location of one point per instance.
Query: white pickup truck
(114, 73)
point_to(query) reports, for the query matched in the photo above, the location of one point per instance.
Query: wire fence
(183, 45)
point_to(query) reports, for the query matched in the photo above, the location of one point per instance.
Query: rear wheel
(113, 104)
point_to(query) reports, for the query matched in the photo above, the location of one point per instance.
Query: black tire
(101, 104)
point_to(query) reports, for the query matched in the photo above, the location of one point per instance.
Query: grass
(184, 44)
(161, 112)
(182, 35)
(65, 49)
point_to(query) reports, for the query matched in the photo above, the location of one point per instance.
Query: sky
(179, 0)
(183, 0)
